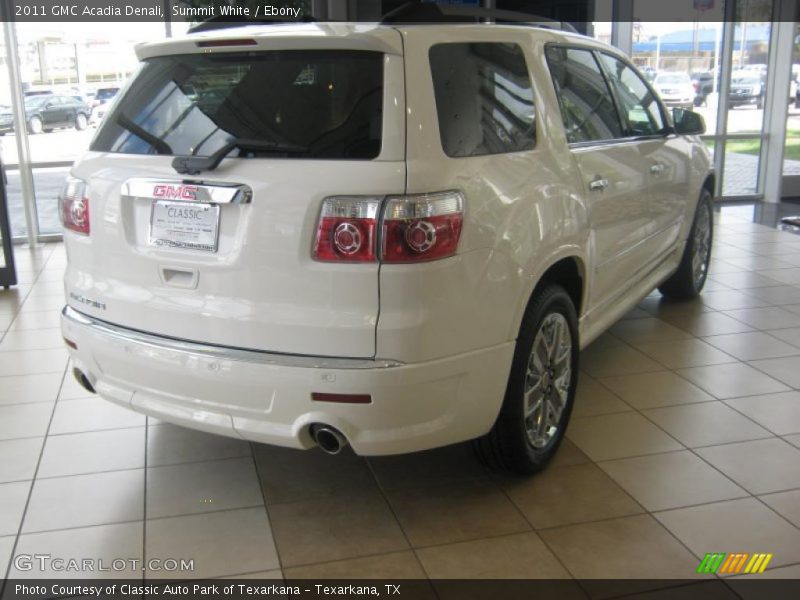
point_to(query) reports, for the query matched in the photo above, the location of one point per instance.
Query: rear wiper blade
(160, 145)
(192, 165)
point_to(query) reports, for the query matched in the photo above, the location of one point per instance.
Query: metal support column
(338, 10)
(770, 173)
(726, 67)
(622, 29)
(20, 125)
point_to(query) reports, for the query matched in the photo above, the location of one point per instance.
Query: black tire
(508, 446)
(688, 281)
(760, 103)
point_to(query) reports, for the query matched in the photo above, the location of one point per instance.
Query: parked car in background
(747, 89)
(703, 83)
(43, 113)
(675, 89)
(435, 278)
(98, 112)
(6, 119)
(104, 95)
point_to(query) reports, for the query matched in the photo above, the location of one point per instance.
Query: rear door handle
(598, 185)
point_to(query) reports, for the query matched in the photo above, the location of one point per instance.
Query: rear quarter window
(484, 98)
(328, 103)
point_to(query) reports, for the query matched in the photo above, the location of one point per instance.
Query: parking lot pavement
(57, 146)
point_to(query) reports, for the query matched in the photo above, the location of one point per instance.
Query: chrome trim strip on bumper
(124, 334)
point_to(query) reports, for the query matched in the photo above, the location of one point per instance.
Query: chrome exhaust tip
(329, 439)
(83, 380)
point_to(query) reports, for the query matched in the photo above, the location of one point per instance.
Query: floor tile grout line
(385, 496)
(142, 468)
(149, 519)
(729, 478)
(35, 281)
(652, 515)
(504, 491)
(30, 490)
(266, 509)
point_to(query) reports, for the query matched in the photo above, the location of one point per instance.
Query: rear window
(300, 103)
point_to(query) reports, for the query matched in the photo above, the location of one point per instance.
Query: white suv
(392, 236)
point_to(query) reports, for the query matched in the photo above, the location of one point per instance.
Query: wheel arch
(568, 271)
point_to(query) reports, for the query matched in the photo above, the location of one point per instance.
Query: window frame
(531, 80)
(623, 121)
(668, 127)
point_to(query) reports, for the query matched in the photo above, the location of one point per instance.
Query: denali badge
(87, 301)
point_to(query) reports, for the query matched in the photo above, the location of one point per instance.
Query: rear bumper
(266, 397)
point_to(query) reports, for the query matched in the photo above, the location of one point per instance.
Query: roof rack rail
(229, 21)
(416, 12)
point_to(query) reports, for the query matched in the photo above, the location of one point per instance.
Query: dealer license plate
(188, 225)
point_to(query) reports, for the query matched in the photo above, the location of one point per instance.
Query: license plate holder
(184, 225)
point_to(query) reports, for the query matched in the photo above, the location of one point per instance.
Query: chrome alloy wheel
(547, 380)
(702, 245)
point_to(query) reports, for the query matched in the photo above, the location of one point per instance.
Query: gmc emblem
(175, 192)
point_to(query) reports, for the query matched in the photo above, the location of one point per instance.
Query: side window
(484, 98)
(638, 104)
(587, 107)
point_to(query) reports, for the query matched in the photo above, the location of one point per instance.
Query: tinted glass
(587, 107)
(36, 101)
(638, 104)
(484, 98)
(319, 104)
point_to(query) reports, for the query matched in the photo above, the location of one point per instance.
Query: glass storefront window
(741, 167)
(68, 77)
(791, 152)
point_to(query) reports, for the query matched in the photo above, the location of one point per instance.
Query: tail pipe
(83, 380)
(329, 439)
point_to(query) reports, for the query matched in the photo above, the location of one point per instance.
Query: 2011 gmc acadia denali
(392, 236)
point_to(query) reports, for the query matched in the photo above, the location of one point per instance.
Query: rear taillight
(415, 228)
(421, 227)
(347, 229)
(74, 206)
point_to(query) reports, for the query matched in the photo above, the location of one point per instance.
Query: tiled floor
(685, 440)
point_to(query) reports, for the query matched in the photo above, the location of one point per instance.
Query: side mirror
(688, 122)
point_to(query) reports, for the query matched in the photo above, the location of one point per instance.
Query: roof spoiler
(229, 21)
(415, 12)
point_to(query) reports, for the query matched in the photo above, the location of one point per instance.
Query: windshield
(673, 78)
(746, 80)
(329, 102)
(105, 94)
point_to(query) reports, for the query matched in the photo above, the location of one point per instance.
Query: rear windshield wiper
(161, 147)
(192, 165)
